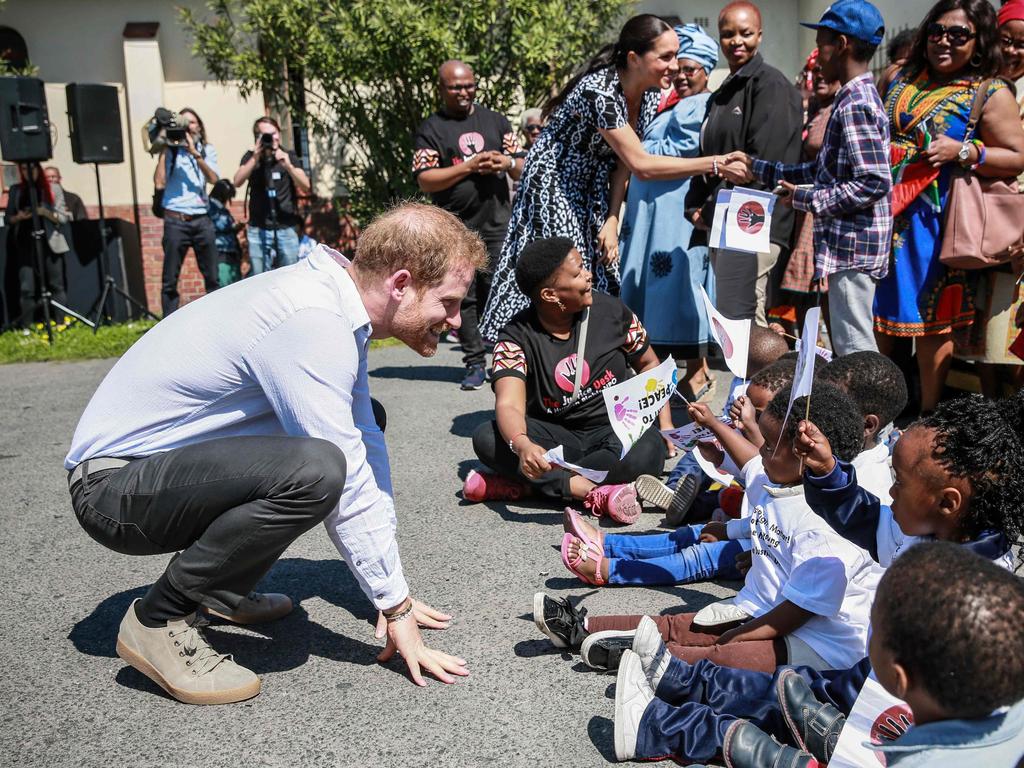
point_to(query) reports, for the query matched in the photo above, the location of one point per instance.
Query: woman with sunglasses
(998, 296)
(575, 177)
(955, 51)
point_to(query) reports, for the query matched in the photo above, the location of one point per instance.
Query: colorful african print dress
(920, 296)
(564, 189)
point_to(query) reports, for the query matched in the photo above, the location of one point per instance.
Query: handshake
(735, 167)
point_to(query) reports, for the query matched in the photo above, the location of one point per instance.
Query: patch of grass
(70, 342)
(75, 341)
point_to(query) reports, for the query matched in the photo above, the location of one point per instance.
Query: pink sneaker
(486, 486)
(619, 502)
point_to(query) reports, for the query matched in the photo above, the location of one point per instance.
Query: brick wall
(190, 283)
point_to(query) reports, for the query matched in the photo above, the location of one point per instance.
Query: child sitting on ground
(808, 592)
(963, 679)
(686, 479)
(679, 557)
(959, 476)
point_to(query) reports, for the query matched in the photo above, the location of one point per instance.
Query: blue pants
(670, 558)
(272, 248)
(696, 704)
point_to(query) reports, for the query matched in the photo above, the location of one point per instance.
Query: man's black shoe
(682, 500)
(747, 746)
(814, 725)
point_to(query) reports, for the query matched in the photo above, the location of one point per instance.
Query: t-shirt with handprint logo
(482, 201)
(615, 341)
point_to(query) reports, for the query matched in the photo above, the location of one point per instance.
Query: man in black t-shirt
(464, 153)
(275, 180)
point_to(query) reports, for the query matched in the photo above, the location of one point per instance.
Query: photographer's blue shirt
(186, 185)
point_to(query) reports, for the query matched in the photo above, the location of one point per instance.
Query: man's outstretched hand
(405, 638)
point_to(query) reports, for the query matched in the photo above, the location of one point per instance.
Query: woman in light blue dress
(662, 270)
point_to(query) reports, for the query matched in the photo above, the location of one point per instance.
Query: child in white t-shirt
(808, 592)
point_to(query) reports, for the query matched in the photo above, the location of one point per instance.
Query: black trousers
(593, 448)
(474, 351)
(29, 281)
(179, 236)
(231, 506)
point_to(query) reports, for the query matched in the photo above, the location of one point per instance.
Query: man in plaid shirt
(848, 189)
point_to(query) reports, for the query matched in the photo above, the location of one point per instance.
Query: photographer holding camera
(275, 180)
(182, 173)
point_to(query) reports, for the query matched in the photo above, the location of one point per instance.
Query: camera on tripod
(165, 129)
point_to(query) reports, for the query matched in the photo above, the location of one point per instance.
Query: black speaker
(94, 117)
(24, 123)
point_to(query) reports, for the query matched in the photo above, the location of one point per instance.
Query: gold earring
(561, 306)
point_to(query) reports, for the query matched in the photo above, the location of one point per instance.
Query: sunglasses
(534, 128)
(957, 35)
(691, 71)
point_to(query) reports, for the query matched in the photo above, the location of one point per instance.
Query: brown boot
(257, 608)
(178, 658)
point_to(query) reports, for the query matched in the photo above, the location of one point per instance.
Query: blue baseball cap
(855, 18)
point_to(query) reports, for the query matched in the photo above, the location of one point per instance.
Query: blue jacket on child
(993, 742)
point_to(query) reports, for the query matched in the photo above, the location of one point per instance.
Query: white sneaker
(654, 656)
(720, 613)
(178, 658)
(632, 697)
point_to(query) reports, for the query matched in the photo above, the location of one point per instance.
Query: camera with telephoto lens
(165, 129)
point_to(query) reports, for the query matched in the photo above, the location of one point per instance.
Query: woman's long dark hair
(988, 56)
(42, 185)
(637, 36)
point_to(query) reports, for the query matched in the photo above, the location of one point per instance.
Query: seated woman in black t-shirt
(534, 375)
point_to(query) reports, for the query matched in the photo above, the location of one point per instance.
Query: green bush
(362, 74)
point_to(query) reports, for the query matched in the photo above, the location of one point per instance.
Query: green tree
(362, 74)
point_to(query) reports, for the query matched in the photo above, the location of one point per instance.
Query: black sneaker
(476, 376)
(603, 650)
(557, 619)
(682, 500)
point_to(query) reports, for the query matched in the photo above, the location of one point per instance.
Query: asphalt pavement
(66, 699)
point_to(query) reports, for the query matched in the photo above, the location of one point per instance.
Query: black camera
(266, 141)
(165, 129)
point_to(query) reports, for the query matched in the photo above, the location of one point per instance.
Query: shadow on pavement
(280, 645)
(465, 424)
(601, 731)
(419, 372)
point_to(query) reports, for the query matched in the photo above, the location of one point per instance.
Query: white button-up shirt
(280, 353)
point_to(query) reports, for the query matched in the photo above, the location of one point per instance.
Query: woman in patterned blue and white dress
(574, 181)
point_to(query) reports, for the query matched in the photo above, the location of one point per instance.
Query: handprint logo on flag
(624, 412)
(751, 217)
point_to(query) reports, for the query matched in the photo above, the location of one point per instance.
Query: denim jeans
(670, 558)
(696, 703)
(272, 248)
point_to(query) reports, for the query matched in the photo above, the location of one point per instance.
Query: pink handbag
(984, 217)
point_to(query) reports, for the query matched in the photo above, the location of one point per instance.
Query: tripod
(38, 232)
(109, 284)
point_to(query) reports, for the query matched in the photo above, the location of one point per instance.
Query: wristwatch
(965, 152)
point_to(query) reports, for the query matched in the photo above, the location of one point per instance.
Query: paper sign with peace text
(733, 336)
(633, 404)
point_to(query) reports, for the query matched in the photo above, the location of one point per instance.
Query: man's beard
(409, 327)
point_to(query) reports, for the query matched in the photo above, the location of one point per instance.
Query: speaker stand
(109, 284)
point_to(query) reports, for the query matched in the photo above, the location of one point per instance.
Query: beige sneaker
(180, 660)
(257, 608)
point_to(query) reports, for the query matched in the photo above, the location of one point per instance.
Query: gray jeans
(230, 506)
(851, 300)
